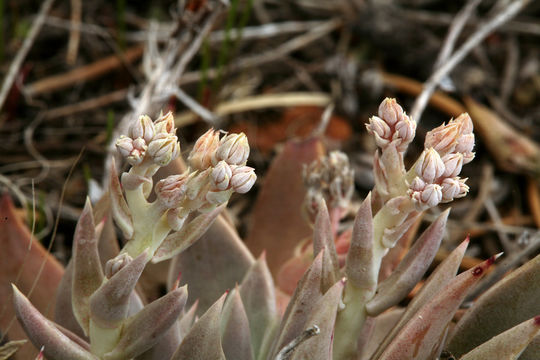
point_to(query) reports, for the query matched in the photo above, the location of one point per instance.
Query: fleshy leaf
(435, 283)
(277, 224)
(421, 336)
(87, 273)
(203, 342)
(307, 293)
(236, 336)
(63, 314)
(216, 262)
(359, 269)
(187, 320)
(109, 305)
(146, 328)
(381, 326)
(324, 316)
(119, 207)
(512, 300)
(259, 299)
(323, 239)
(411, 269)
(178, 241)
(43, 333)
(508, 345)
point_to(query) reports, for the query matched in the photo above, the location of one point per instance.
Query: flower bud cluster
(447, 149)
(392, 126)
(330, 178)
(155, 141)
(210, 150)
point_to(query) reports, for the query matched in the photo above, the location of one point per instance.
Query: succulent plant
(346, 305)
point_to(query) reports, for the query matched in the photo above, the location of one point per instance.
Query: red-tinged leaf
(203, 342)
(277, 223)
(109, 305)
(165, 347)
(293, 269)
(508, 345)
(324, 316)
(63, 314)
(323, 239)
(43, 333)
(421, 336)
(302, 302)
(435, 283)
(382, 325)
(532, 352)
(411, 269)
(145, 329)
(87, 273)
(187, 320)
(215, 263)
(20, 261)
(119, 207)
(236, 336)
(512, 300)
(360, 269)
(179, 241)
(259, 299)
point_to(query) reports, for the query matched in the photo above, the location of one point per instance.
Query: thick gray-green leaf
(511, 301)
(323, 315)
(215, 263)
(203, 342)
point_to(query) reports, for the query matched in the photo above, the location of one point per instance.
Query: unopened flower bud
(142, 128)
(443, 138)
(233, 148)
(432, 195)
(390, 111)
(200, 157)
(452, 164)
(243, 178)
(430, 165)
(380, 130)
(124, 145)
(465, 143)
(463, 188)
(405, 131)
(465, 123)
(116, 264)
(450, 189)
(171, 190)
(417, 184)
(221, 175)
(164, 148)
(165, 124)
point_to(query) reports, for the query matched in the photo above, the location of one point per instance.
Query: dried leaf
(215, 263)
(145, 329)
(508, 345)
(277, 224)
(512, 300)
(236, 336)
(119, 207)
(203, 342)
(420, 337)
(324, 316)
(411, 269)
(259, 299)
(179, 241)
(10, 348)
(306, 295)
(43, 333)
(87, 273)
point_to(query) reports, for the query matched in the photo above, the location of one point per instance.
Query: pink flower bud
(380, 130)
(233, 148)
(221, 175)
(142, 128)
(390, 111)
(124, 145)
(417, 184)
(465, 143)
(171, 190)
(465, 123)
(243, 178)
(463, 188)
(443, 138)
(200, 157)
(165, 124)
(450, 189)
(164, 148)
(116, 264)
(452, 164)
(432, 195)
(405, 130)
(430, 165)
